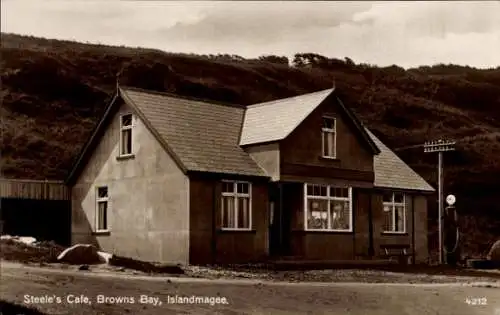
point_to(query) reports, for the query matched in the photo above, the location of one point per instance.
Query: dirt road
(80, 293)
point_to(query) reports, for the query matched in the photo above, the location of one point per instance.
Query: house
(174, 179)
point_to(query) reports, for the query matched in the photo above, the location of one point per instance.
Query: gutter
(413, 228)
(213, 243)
(371, 249)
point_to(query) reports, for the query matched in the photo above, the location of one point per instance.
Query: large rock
(494, 253)
(28, 240)
(105, 257)
(81, 254)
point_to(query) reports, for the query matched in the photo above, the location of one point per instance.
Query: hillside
(53, 92)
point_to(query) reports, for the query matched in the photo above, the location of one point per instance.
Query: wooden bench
(399, 251)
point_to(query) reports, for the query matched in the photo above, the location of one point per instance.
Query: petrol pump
(451, 232)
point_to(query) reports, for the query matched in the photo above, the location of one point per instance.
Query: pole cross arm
(439, 146)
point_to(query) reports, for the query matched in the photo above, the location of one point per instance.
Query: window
(102, 209)
(126, 134)
(328, 137)
(236, 205)
(327, 208)
(394, 212)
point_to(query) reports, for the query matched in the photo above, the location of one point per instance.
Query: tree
(302, 59)
(275, 59)
(350, 62)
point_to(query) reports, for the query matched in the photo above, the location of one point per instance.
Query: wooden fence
(34, 189)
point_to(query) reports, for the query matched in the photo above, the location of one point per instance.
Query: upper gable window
(126, 135)
(329, 137)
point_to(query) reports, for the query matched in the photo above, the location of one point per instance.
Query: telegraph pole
(440, 146)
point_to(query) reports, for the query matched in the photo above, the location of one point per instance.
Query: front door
(363, 223)
(279, 222)
(274, 221)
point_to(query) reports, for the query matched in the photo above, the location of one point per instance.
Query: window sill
(102, 233)
(323, 231)
(395, 233)
(222, 230)
(125, 157)
(329, 158)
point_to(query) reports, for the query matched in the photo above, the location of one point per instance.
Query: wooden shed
(37, 208)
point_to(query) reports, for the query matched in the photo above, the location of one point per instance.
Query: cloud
(114, 22)
(384, 33)
(262, 22)
(435, 18)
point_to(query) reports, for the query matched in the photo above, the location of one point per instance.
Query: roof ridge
(266, 103)
(185, 97)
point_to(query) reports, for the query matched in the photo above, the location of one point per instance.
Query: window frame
(329, 198)
(123, 128)
(393, 205)
(236, 196)
(334, 138)
(100, 200)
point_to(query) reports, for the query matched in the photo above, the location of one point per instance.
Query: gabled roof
(199, 136)
(204, 136)
(88, 148)
(392, 172)
(275, 120)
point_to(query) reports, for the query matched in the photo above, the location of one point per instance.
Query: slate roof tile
(204, 136)
(392, 172)
(272, 121)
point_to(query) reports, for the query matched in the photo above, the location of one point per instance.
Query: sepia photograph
(249, 157)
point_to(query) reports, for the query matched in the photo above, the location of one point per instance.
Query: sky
(407, 33)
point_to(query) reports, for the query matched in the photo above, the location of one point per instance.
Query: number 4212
(476, 301)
